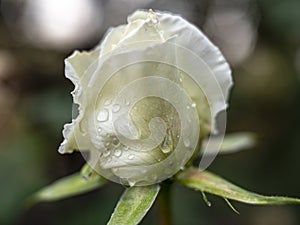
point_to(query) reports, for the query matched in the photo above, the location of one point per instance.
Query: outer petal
(75, 68)
(191, 38)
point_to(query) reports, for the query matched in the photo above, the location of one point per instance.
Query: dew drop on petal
(107, 102)
(131, 183)
(131, 156)
(117, 152)
(194, 105)
(115, 141)
(186, 142)
(126, 102)
(167, 144)
(106, 153)
(103, 115)
(82, 125)
(116, 108)
(166, 149)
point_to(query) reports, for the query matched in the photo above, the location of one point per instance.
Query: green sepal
(134, 204)
(75, 184)
(205, 181)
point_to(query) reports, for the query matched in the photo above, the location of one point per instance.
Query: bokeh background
(261, 40)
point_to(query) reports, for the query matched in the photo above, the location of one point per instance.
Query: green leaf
(72, 185)
(208, 182)
(232, 143)
(87, 171)
(134, 204)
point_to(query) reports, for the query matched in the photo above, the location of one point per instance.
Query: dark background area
(260, 39)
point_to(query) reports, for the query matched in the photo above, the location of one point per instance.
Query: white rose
(147, 95)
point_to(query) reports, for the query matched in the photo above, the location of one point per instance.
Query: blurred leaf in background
(260, 38)
(22, 172)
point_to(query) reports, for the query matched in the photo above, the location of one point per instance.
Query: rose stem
(164, 204)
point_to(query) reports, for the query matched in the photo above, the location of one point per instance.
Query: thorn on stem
(231, 206)
(208, 203)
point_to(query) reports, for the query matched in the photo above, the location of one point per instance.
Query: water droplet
(166, 148)
(118, 153)
(194, 104)
(126, 102)
(103, 115)
(107, 102)
(116, 108)
(115, 141)
(106, 153)
(131, 183)
(188, 107)
(82, 127)
(107, 144)
(131, 156)
(167, 144)
(182, 167)
(186, 142)
(180, 79)
(99, 129)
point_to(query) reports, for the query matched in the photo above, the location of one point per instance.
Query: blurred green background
(260, 39)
